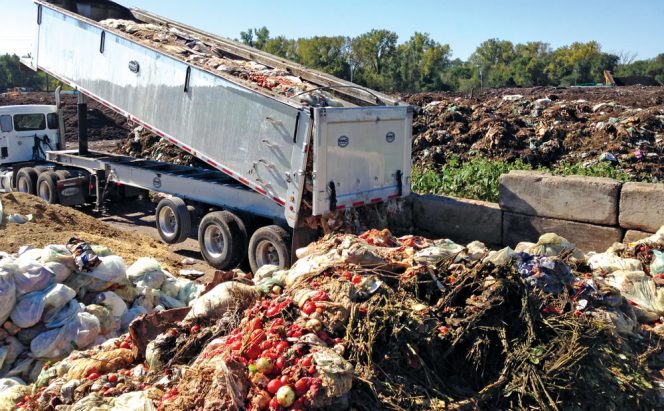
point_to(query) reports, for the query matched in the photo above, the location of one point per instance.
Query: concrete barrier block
(576, 198)
(632, 236)
(458, 219)
(642, 206)
(588, 237)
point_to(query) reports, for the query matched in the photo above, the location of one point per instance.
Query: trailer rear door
(361, 156)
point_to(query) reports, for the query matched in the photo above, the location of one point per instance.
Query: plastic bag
(10, 351)
(7, 294)
(113, 302)
(336, 374)
(146, 271)
(657, 264)
(60, 271)
(222, 298)
(133, 401)
(169, 302)
(546, 273)
(552, 245)
(57, 254)
(101, 250)
(29, 309)
(147, 299)
(31, 277)
(189, 291)
(58, 295)
(440, 250)
(107, 323)
(608, 262)
(501, 257)
(77, 334)
(637, 287)
(112, 269)
(64, 315)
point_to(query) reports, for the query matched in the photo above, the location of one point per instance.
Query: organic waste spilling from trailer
(378, 322)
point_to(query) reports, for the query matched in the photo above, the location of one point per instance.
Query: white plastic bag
(608, 262)
(114, 303)
(64, 315)
(224, 297)
(637, 287)
(57, 254)
(60, 271)
(58, 295)
(112, 269)
(7, 294)
(29, 309)
(146, 271)
(77, 334)
(133, 401)
(32, 276)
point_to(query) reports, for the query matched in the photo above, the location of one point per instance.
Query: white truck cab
(27, 132)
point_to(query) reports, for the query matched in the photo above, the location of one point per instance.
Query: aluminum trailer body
(361, 154)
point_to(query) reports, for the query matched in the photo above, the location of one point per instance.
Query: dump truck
(284, 144)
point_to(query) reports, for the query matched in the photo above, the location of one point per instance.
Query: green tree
(421, 64)
(374, 53)
(330, 54)
(256, 38)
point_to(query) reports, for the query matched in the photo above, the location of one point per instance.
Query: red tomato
(280, 363)
(125, 344)
(309, 307)
(306, 361)
(274, 385)
(112, 378)
(195, 329)
(274, 404)
(356, 279)
(93, 376)
(282, 346)
(302, 385)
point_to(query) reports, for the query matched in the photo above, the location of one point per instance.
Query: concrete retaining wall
(591, 212)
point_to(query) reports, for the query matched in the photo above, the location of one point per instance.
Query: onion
(264, 365)
(314, 325)
(285, 396)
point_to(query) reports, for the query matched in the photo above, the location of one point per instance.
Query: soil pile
(545, 126)
(103, 123)
(55, 224)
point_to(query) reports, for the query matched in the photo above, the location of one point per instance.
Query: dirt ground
(129, 234)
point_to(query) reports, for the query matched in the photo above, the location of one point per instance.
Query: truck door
(361, 156)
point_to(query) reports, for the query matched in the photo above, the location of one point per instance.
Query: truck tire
(173, 220)
(222, 239)
(47, 187)
(63, 174)
(26, 180)
(269, 245)
(41, 169)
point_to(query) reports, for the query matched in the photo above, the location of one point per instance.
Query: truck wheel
(222, 239)
(63, 174)
(26, 180)
(173, 220)
(269, 245)
(47, 188)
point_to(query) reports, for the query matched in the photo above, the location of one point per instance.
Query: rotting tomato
(274, 385)
(309, 307)
(356, 279)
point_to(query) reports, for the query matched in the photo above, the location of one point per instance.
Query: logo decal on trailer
(134, 66)
(390, 137)
(156, 182)
(343, 141)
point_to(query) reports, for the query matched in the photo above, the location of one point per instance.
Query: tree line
(377, 60)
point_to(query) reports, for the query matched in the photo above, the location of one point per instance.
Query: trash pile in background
(543, 126)
(379, 322)
(196, 51)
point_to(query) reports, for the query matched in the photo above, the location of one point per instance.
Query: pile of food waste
(373, 322)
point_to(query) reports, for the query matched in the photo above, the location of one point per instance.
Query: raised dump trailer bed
(305, 141)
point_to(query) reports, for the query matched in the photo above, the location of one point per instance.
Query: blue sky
(635, 26)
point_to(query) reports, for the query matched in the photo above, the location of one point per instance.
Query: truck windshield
(29, 122)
